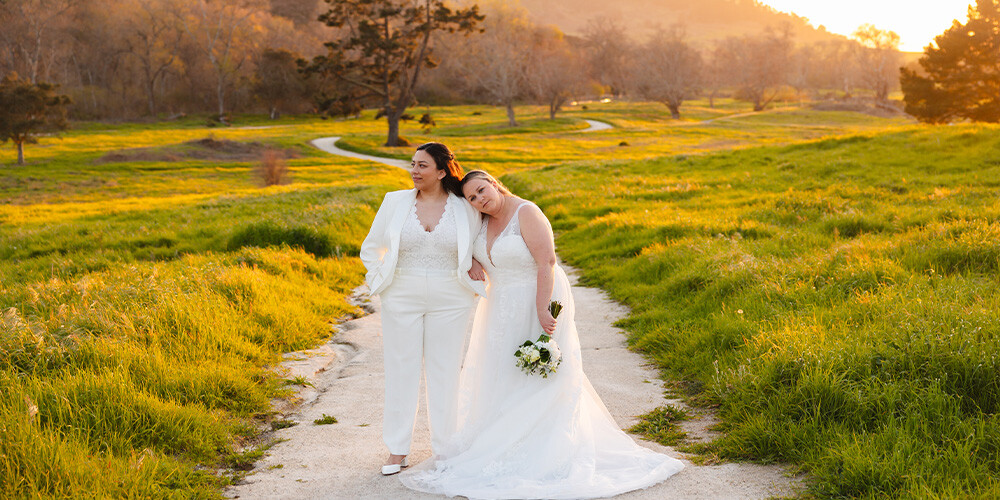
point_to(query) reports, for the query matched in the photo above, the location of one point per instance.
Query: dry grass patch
(208, 148)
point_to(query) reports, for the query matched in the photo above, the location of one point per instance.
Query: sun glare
(916, 21)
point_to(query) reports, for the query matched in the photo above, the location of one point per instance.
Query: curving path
(329, 144)
(342, 460)
(596, 126)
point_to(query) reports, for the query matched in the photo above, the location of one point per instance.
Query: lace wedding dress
(524, 436)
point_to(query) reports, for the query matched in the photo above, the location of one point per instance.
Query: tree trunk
(222, 94)
(393, 119)
(675, 110)
(151, 94)
(274, 112)
(511, 122)
(711, 99)
(553, 107)
(20, 153)
(151, 103)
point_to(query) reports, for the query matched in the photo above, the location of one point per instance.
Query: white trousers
(425, 316)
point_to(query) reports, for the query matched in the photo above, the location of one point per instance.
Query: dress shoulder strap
(515, 223)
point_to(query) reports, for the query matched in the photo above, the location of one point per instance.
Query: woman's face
(424, 171)
(483, 196)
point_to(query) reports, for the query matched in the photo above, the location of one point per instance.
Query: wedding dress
(524, 436)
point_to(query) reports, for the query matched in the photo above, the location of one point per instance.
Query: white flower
(554, 353)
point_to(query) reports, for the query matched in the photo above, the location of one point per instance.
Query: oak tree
(556, 72)
(667, 70)
(758, 64)
(27, 110)
(382, 47)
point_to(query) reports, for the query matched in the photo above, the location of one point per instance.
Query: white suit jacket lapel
(399, 213)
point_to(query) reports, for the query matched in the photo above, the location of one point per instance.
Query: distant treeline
(127, 59)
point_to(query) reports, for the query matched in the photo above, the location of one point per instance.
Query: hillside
(705, 21)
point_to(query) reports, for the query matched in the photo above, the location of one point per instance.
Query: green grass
(837, 299)
(144, 302)
(325, 420)
(660, 425)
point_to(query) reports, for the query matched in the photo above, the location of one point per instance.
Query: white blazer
(380, 249)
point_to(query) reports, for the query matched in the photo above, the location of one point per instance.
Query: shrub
(269, 234)
(272, 170)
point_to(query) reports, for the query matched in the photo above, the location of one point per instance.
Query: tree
(382, 47)
(151, 39)
(962, 71)
(219, 29)
(878, 59)
(496, 62)
(28, 109)
(608, 48)
(27, 27)
(758, 64)
(278, 80)
(555, 71)
(667, 70)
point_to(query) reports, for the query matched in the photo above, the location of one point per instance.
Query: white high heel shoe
(388, 470)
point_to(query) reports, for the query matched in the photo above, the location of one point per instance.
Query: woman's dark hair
(444, 159)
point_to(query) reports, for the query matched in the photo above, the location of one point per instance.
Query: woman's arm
(373, 247)
(537, 235)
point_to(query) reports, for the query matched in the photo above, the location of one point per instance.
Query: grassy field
(836, 300)
(825, 278)
(142, 302)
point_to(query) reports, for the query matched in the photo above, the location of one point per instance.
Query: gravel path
(342, 460)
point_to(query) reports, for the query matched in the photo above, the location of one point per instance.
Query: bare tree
(667, 69)
(278, 81)
(27, 30)
(221, 30)
(151, 41)
(555, 71)
(757, 64)
(496, 62)
(878, 59)
(608, 50)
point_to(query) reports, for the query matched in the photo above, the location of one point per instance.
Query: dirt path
(595, 126)
(342, 460)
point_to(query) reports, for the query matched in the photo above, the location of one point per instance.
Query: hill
(706, 21)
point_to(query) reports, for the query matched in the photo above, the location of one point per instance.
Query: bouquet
(542, 356)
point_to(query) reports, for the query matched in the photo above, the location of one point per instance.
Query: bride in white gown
(524, 436)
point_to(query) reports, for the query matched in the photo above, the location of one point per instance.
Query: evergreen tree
(962, 71)
(27, 110)
(383, 45)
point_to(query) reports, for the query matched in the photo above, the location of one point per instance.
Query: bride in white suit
(418, 254)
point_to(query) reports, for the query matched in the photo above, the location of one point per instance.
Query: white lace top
(437, 249)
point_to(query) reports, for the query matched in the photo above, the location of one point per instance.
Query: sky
(916, 21)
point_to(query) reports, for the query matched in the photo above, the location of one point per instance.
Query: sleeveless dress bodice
(509, 261)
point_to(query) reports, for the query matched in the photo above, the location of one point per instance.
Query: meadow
(835, 300)
(825, 279)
